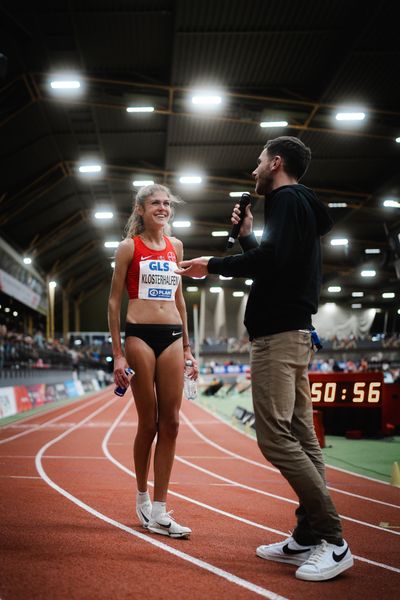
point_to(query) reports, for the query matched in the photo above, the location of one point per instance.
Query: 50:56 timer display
(350, 393)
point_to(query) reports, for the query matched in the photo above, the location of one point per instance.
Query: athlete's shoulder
(177, 244)
(126, 248)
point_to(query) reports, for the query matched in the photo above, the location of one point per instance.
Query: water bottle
(120, 391)
(189, 385)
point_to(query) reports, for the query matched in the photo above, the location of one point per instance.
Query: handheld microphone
(244, 201)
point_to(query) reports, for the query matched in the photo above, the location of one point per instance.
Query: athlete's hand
(247, 224)
(120, 377)
(193, 371)
(197, 267)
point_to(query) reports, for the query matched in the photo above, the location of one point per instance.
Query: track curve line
(34, 428)
(268, 468)
(229, 515)
(230, 577)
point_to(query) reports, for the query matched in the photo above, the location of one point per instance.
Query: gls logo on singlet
(156, 265)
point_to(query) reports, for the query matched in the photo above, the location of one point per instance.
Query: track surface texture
(69, 528)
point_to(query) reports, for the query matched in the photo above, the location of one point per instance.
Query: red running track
(69, 528)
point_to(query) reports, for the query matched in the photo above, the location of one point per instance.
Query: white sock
(158, 509)
(142, 497)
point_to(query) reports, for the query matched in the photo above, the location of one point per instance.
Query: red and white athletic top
(151, 273)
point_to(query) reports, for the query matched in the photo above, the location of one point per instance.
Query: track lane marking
(273, 469)
(251, 437)
(230, 577)
(214, 509)
(43, 425)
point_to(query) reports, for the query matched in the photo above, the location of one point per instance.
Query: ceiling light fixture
(182, 224)
(237, 194)
(142, 182)
(215, 290)
(339, 242)
(391, 204)
(190, 179)
(337, 204)
(357, 294)
(103, 215)
(273, 124)
(334, 289)
(111, 244)
(207, 100)
(388, 295)
(140, 109)
(219, 233)
(192, 288)
(350, 116)
(65, 84)
(368, 273)
(372, 251)
(238, 294)
(27, 260)
(89, 168)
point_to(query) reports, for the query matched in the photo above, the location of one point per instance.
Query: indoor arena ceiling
(269, 60)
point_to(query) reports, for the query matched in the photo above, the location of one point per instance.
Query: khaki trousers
(285, 430)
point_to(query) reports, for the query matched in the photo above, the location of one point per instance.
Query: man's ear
(278, 162)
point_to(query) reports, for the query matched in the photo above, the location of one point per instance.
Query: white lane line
(209, 457)
(46, 423)
(251, 437)
(18, 477)
(50, 409)
(230, 577)
(62, 457)
(268, 468)
(212, 508)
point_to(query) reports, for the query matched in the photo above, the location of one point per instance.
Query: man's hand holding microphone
(242, 225)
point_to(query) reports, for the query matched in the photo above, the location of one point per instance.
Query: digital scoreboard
(359, 401)
(346, 389)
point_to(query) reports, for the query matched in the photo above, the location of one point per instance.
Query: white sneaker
(288, 551)
(143, 511)
(164, 524)
(327, 561)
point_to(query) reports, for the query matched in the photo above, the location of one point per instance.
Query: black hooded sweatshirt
(285, 266)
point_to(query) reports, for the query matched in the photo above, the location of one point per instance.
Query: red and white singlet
(151, 273)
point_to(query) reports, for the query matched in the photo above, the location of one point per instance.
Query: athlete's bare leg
(169, 386)
(142, 360)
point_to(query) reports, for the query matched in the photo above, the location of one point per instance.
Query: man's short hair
(296, 155)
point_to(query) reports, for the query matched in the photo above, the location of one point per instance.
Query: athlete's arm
(181, 306)
(123, 258)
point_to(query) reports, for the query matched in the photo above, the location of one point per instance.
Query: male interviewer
(286, 273)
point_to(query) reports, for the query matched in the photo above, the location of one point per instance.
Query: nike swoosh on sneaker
(165, 526)
(338, 557)
(143, 515)
(289, 551)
